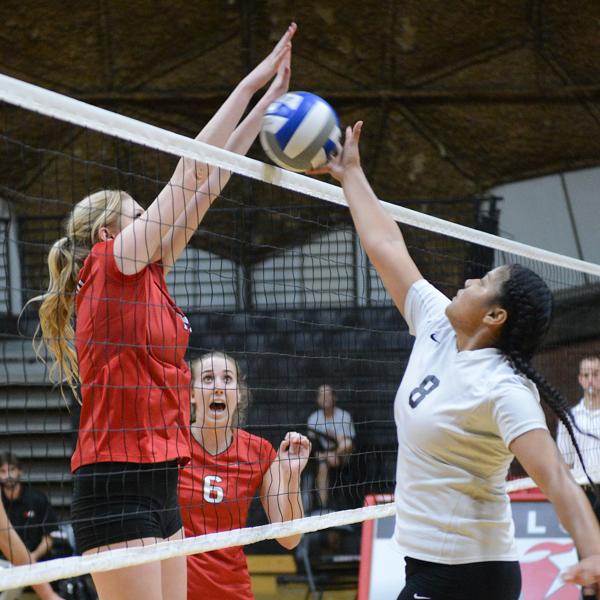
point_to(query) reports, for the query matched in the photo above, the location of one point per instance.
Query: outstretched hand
(586, 572)
(269, 66)
(280, 85)
(346, 157)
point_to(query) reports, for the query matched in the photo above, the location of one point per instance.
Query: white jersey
(339, 426)
(587, 420)
(456, 414)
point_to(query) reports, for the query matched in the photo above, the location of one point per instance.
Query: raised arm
(379, 234)
(219, 129)
(239, 141)
(539, 456)
(280, 490)
(140, 242)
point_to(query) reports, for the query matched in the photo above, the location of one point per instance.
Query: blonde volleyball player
(467, 404)
(228, 466)
(130, 340)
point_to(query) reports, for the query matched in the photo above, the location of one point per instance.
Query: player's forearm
(177, 238)
(216, 133)
(196, 208)
(182, 203)
(218, 130)
(380, 237)
(373, 223)
(239, 141)
(244, 135)
(15, 552)
(141, 242)
(288, 505)
(575, 514)
(43, 548)
(283, 501)
(13, 547)
(289, 501)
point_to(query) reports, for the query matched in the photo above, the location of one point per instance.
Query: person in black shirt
(29, 510)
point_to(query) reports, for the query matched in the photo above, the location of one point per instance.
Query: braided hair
(528, 302)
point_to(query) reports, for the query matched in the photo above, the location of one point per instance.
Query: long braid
(528, 302)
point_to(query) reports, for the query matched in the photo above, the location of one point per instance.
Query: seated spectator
(28, 510)
(332, 431)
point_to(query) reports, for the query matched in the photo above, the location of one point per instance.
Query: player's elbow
(290, 542)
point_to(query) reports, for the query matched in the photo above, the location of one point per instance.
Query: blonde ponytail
(66, 257)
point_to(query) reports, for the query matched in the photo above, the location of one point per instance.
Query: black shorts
(495, 580)
(120, 501)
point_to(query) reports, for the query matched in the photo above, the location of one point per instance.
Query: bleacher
(36, 422)
(361, 352)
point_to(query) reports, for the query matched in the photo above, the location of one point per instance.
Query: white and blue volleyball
(300, 131)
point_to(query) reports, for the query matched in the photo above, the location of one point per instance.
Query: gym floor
(300, 592)
(266, 568)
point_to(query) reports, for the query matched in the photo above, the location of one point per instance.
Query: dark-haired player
(466, 405)
(126, 347)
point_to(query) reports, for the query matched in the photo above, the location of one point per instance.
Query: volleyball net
(275, 276)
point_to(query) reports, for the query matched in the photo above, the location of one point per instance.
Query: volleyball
(300, 131)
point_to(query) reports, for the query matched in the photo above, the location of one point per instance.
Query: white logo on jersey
(213, 493)
(80, 284)
(186, 322)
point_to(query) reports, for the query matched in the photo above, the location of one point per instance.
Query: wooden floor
(300, 592)
(265, 570)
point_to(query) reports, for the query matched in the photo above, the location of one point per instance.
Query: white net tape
(67, 109)
(127, 557)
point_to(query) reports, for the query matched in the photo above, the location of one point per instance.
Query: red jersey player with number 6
(127, 350)
(228, 466)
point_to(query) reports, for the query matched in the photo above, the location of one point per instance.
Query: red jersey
(135, 384)
(214, 495)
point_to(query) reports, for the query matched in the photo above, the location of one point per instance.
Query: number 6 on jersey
(213, 493)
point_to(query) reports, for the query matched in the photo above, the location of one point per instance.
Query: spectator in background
(29, 510)
(586, 414)
(332, 432)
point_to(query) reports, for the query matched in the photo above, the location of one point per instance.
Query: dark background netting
(274, 278)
